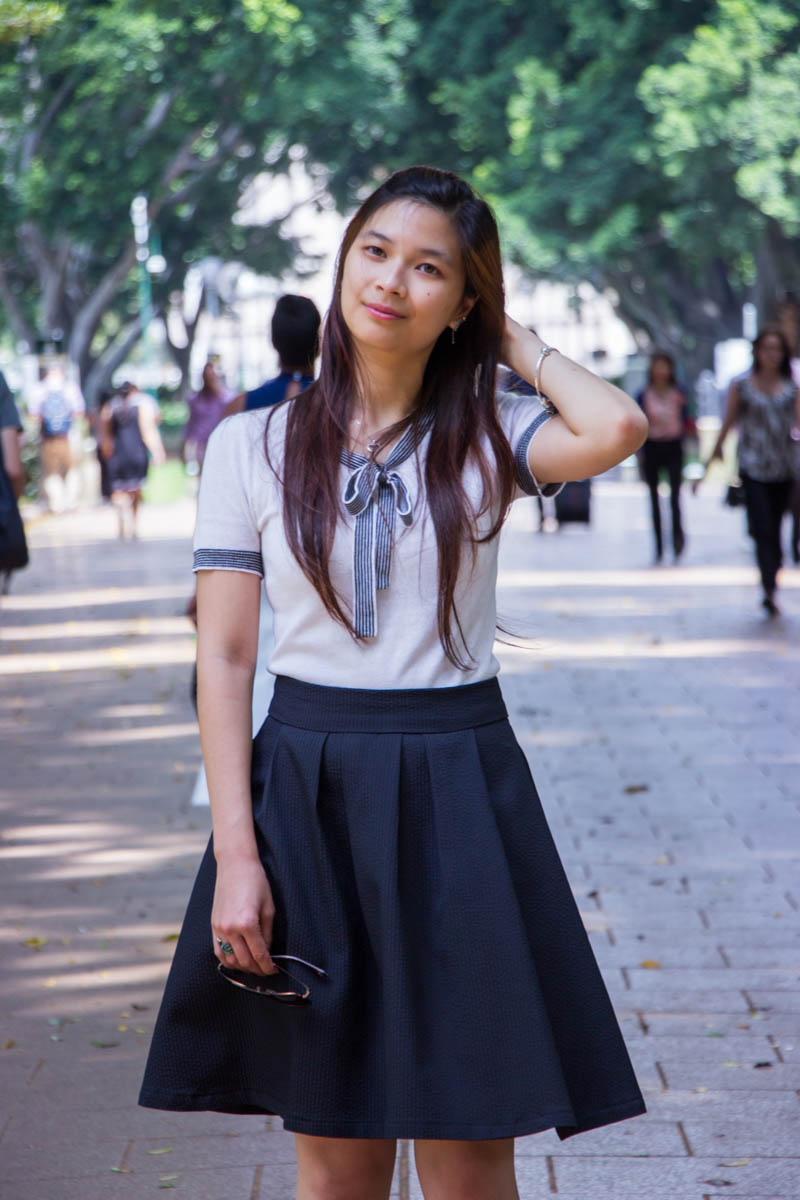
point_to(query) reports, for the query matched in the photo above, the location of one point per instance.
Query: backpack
(56, 414)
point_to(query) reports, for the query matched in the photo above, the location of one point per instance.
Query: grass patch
(166, 482)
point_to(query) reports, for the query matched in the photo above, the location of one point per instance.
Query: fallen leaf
(35, 943)
(650, 964)
(122, 1029)
(761, 1065)
(126, 1016)
(633, 788)
(739, 1162)
(104, 1045)
(139, 1029)
(170, 937)
(163, 1150)
(140, 1007)
(730, 1063)
(122, 1170)
(9, 1044)
(718, 1182)
(662, 860)
(715, 1033)
(701, 1088)
(167, 1178)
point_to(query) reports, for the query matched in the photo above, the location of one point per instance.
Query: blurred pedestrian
(206, 409)
(13, 547)
(130, 435)
(56, 403)
(95, 417)
(382, 889)
(765, 407)
(666, 406)
(295, 336)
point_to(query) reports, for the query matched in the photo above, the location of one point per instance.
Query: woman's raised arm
(598, 424)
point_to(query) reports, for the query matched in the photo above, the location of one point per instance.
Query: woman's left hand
(511, 336)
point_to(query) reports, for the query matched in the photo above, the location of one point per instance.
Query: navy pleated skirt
(409, 857)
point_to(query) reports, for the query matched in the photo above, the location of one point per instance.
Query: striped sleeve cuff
(229, 560)
(525, 477)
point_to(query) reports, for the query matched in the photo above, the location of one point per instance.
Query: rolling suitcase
(573, 503)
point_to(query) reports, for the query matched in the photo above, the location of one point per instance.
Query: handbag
(734, 497)
(13, 546)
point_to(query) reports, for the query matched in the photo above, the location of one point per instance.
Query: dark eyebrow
(426, 252)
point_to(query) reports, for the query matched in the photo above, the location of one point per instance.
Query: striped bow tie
(373, 495)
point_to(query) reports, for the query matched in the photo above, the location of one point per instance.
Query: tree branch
(17, 320)
(30, 143)
(89, 315)
(114, 354)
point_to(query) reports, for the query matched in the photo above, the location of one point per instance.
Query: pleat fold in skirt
(409, 857)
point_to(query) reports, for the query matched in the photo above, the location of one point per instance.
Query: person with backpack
(56, 403)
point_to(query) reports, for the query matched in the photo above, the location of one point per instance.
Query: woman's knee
(482, 1170)
(344, 1168)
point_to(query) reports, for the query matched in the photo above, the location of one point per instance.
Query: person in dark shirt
(295, 336)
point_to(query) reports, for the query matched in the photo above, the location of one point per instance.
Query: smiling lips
(383, 313)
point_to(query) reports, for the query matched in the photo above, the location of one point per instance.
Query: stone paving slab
(687, 1177)
(740, 1140)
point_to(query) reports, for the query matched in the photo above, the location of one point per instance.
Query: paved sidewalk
(660, 713)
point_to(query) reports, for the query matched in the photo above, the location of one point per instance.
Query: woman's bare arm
(227, 646)
(148, 428)
(598, 425)
(730, 420)
(12, 459)
(236, 405)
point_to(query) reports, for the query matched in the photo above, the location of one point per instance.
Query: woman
(385, 828)
(206, 409)
(765, 406)
(664, 404)
(129, 432)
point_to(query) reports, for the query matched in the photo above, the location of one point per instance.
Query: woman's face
(403, 279)
(660, 372)
(769, 355)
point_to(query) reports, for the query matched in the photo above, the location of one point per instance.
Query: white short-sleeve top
(240, 528)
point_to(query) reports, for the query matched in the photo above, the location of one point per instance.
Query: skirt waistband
(403, 710)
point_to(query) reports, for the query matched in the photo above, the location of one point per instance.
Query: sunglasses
(282, 986)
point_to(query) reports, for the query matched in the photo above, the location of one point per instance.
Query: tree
(650, 148)
(114, 98)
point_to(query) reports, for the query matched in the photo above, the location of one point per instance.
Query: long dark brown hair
(662, 356)
(458, 389)
(785, 369)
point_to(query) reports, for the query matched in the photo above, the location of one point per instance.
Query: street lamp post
(149, 264)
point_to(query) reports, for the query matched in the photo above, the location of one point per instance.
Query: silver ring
(225, 947)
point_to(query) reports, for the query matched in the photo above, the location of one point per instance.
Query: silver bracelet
(543, 353)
